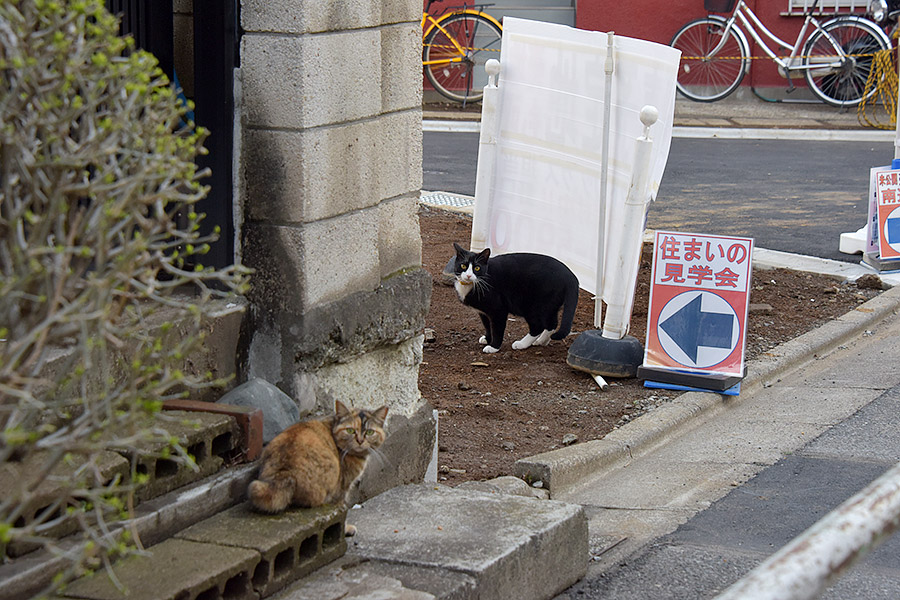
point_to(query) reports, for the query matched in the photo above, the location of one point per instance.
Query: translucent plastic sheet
(544, 189)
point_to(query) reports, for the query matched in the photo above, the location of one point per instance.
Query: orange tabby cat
(315, 462)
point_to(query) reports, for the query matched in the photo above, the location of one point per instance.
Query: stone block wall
(330, 170)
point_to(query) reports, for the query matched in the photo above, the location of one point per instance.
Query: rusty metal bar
(805, 566)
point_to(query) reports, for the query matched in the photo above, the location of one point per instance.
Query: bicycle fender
(864, 22)
(467, 11)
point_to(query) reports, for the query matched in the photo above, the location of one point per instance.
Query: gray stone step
(423, 541)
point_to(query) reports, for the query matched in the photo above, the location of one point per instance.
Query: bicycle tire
(704, 78)
(846, 85)
(461, 81)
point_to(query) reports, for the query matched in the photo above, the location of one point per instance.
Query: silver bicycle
(834, 56)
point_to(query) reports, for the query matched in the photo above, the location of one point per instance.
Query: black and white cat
(532, 286)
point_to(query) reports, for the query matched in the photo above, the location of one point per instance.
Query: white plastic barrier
(542, 133)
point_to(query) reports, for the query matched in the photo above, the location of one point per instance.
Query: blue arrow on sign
(691, 328)
(892, 230)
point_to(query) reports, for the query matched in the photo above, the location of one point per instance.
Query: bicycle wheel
(843, 85)
(705, 78)
(457, 75)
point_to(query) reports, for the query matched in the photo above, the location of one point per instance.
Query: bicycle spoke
(455, 53)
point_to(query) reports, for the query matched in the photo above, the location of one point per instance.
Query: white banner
(544, 191)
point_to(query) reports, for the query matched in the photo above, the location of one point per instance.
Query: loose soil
(496, 408)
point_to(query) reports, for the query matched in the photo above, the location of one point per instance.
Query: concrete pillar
(330, 172)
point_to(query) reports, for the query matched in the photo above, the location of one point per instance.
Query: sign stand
(610, 352)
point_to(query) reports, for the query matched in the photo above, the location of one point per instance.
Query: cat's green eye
(370, 432)
(464, 266)
(477, 268)
(350, 430)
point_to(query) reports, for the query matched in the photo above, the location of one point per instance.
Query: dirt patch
(497, 408)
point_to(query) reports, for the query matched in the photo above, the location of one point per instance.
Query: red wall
(660, 21)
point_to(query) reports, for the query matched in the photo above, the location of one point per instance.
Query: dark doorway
(216, 33)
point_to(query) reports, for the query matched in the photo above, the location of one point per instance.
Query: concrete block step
(214, 440)
(236, 554)
(456, 544)
(209, 438)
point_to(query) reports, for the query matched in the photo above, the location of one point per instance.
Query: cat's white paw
(482, 340)
(349, 530)
(525, 342)
(543, 339)
(490, 350)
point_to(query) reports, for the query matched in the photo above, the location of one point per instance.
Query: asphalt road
(789, 195)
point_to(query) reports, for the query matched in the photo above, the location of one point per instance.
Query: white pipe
(623, 265)
(487, 159)
(609, 68)
(807, 564)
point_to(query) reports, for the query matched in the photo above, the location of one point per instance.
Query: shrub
(99, 255)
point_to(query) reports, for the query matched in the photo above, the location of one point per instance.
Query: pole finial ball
(649, 115)
(492, 66)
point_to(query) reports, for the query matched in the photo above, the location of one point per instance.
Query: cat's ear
(459, 249)
(484, 254)
(381, 414)
(340, 410)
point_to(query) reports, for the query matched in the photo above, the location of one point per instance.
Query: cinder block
(209, 438)
(309, 16)
(291, 544)
(387, 375)
(17, 477)
(318, 173)
(399, 239)
(401, 67)
(300, 267)
(305, 81)
(176, 569)
(398, 11)
(248, 419)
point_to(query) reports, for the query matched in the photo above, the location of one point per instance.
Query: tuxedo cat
(532, 286)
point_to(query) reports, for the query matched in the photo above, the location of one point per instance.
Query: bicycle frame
(427, 18)
(751, 22)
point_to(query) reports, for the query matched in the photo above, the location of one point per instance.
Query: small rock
(569, 439)
(508, 446)
(443, 469)
(463, 386)
(429, 335)
(760, 308)
(870, 281)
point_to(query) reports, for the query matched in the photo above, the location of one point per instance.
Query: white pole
(487, 159)
(609, 69)
(807, 564)
(624, 264)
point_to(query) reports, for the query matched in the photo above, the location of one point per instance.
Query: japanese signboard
(888, 235)
(699, 295)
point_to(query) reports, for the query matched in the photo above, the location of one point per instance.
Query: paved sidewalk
(688, 515)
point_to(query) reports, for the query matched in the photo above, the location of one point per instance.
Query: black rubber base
(597, 355)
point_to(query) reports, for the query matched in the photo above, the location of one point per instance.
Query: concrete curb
(566, 468)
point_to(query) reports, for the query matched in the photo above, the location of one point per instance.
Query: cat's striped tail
(272, 496)
(568, 313)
